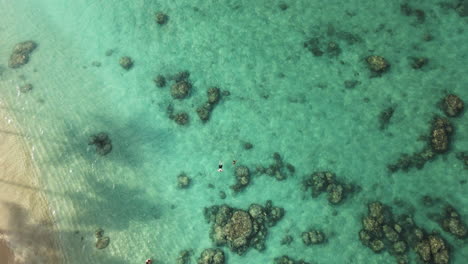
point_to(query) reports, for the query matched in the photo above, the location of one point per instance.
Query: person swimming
(220, 166)
(234, 162)
(148, 261)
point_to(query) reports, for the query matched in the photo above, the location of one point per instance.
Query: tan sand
(27, 233)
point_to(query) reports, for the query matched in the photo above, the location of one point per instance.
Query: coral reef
(126, 62)
(242, 229)
(181, 118)
(184, 257)
(377, 64)
(452, 105)
(279, 169)
(440, 133)
(204, 111)
(385, 116)
(382, 231)
(453, 224)
(183, 181)
(248, 146)
(326, 182)
(211, 256)
(313, 237)
(463, 156)
(161, 18)
(438, 143)
(26, 88)
(21, 53)
(242, 178)
(418, 62)
(287, 260)
(160, 81)
(286, 240)
(102, 142)
(181, 89)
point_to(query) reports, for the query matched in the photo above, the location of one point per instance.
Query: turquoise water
(282, 99)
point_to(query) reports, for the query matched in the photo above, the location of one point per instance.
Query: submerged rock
(21, 54)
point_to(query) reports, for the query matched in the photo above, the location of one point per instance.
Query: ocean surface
(278, 96)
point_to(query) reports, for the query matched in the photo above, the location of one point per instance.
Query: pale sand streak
(26, 229)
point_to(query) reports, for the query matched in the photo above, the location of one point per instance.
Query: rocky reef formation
(21, 53)
(382, 231)
(102, 241)
(326, 181)
(287, 260)
(279, 169)
(102, 142)
(239, 229)
(211, 256)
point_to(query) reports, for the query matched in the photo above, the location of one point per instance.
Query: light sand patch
(27, 233)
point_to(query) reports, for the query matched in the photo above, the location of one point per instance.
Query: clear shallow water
(308, 116)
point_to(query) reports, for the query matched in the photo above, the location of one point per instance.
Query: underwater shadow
(41, 239)
(111, 205)
(130, 138)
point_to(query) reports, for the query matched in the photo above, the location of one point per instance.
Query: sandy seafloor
(283, 99)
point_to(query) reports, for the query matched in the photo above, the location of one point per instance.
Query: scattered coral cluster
(382, 231)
